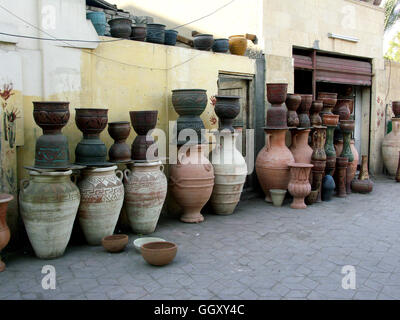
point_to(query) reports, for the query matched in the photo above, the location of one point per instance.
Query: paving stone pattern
(260, 252)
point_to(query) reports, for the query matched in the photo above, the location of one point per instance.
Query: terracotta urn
(102, 196)
(238, 45)
(49, 203)
(318, 172)
(299, 185)
(119, 151)
(300, 149)
(143, 122)
(304, 110)
(91, 151)
(230, 171)
(51, 151)
(4, 230)
(398, 171)
(227, 108)
(316, 108)
(329, 101)
(363, 184)
(396, 108)
(330, 121)
(391, 147)
(341, 168)
(277, 113)
(145, 191)
(272, 162)
(352, 166)
(192, 181)
(342, 109)
(292, 103)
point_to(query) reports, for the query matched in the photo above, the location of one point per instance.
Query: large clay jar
(300, 149)
(192, 181)
(272, 163)
(396, 108)
(227, 109)
(299, 185)
(51, 151)
(145, 192)
(49, 202)
(363, 184)
(277, 113)
(304, 110)
(329, 101)
(292, 103)
(119, 151)
(391, 147)
(238, 45)
(4, 230)
(102, 196)
(142, 123)
(230, 171)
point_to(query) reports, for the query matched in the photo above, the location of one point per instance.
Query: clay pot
(300, 149)
(363, 184)
(139, 33)
(227, 109)
(272, 163)
(277, 113)
(318, 143)
(142, 123)
(292, 103)
(304, 110)
(203, 42)
(230, 172)
(145, 191)
(342, 109)
(341, 167)
(352, 167)
(347, 127)
(192, 182)
(221, 45)
(155, 33)
(99, 21)
(91, 151)
(238, 45)
(391, 147)
(115, 243)
(398, 171)
(119, 151)
(4, 230)
(120, 27)
(328, 188)
(330, 121)
(329, 101)
(49, 202)
(315, 109)
(277, 197)
(277, 93)
(159, 253)
(318, 172)
(299, 185)
(396, 108)
(51, 151)
(170, 37)
(102, 196)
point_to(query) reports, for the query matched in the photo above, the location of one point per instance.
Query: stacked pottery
(347, 128)
(102, 196)
(363, 184)
(304, 110)
(143, 122)
(318, 159)
(277, 114)
(343, 109)
(391, 147)
(299, 185)
(341, 168)
(4, 230)
(192, 181)
(292, 103)
(119, 151)
(300, 149)
(330, 121)
(352, 167)
(329, 101)
(227, 109)
(49, 202)
(316, 108)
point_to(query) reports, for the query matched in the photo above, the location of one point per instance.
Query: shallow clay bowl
(159, 253)
(141, 241)
(330, 120)
(115, 243)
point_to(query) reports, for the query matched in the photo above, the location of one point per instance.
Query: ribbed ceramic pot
(363, 184)
(238, 45)
(304, 110)
(4, 230)
(299, 185)
(329, 101)
(190, 104)
(227, 109)
(272, 163)
(396, 108)
(121, 27)
(230, 172)
(49, 203)
(170, 37)
(316, 108)
(51, 150)
(191, 182)
(145, 192)
(102, 196)
(119, 151)
(300, 149)
(143, 122)
(155, 33)
(139, 33)
(391, 147)
(203, 42)
(293, 102)
(220, 45)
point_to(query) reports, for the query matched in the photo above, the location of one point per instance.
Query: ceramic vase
(203, 42)
(304, 110)
(230, 171)
(341, 168)
(272, 162)
(238, 45)
(352, 166)
(328, 188)
(292, 103)
(391, 147)
(329, 101)
(300, 149)
(143, 122)
(347, 127)
(318, 172)
(277, 196)
(342, 108)
(139, 33)
(363, 184)
(119, 151)
(192, 181)
(120, 27)
(277, 113)
(318, 143)
(316, 108)
(330, 121)
(4, 230)
(145, 191)
(49, 203)
(299, 185)
(155, 33)
(227, 109)
(102, 196)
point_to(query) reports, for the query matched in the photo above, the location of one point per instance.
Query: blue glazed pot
(203, 42)
(328, 188)
(99, 21)
(155, 33)
(221, 45)
(170, 37)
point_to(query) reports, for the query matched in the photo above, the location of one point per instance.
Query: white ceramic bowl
(141, 241)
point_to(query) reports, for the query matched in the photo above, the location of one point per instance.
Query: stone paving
(260, 252)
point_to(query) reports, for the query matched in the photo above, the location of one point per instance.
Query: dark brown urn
(277, 113)
(292, 103)
(142, 123)
(341, 168)
(276, 93)
(119, 151)
(329, 101)
(316, 108)
(343, 109)
(304, 110)
(227, 109)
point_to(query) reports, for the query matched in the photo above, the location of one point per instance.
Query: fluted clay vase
(49, 203)
(341, 168)
(316, 108)
(102, 196)
(304, 110)
(272, 163)
(396, 108)
(4, 230)
(299, 184)
(145, 191)
(329, 101)
(398, 171)
(119, 151)
(230, 171)
(391, 147)
(352, 167)
(363, 184)
(238, 45)
(292, 103)
(192, 181)
(300, 149)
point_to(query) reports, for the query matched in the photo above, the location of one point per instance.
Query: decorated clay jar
(299, 185)
(391, 147)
